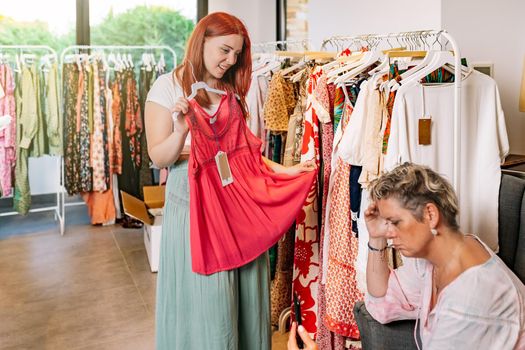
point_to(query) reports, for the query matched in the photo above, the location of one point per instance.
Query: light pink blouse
(483, 308)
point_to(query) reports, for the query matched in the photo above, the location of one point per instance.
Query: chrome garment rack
(58, 208)
(104, 49)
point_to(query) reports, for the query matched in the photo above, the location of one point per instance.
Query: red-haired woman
(206, 298)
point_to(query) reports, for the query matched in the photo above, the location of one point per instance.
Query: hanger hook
(436, 39)
(388, 41)
(192, 71)
(420, 40)
(428, 35)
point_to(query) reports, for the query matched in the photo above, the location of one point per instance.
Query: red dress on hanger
(233, 225)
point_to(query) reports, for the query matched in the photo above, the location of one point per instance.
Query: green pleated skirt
(229, 310)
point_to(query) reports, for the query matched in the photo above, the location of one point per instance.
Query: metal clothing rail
(58, 208)
(418, 39)
(281, 45)
(30, 47)
(118, 47)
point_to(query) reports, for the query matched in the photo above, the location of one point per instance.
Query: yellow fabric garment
(51, 109)
(28, 107)
(280, 103)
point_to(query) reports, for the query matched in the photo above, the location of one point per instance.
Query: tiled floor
(89, 289)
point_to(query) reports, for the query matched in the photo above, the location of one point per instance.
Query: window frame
(83, 34)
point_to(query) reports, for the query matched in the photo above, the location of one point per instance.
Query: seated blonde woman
(461, 293)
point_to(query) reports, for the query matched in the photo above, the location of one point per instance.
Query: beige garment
(288, 148)
(255, 99)
(376, 118)
(294, 139)
(321, 101)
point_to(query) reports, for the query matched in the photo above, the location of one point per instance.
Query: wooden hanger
(406, 53)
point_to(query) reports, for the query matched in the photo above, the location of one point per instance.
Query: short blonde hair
(414, 186)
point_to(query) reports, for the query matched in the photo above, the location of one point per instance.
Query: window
(112, 22)
(33, 22)
(297, 19)
(140, 22)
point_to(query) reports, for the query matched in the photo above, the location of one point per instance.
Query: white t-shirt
(165, 91)
(484, 144)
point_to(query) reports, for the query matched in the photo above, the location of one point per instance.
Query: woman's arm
(377, 270)
(391, 295)
(293, 170)
(165, 140)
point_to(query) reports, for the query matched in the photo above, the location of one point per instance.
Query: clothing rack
(77, 48)
(59, 207)
(413, 40)
(281, 45)
(425, 39)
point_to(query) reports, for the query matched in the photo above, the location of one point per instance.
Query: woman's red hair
(238, 78)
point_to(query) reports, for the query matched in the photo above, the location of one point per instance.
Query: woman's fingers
(292, 343)
(308, 342)
(371, 210)
(181, 106)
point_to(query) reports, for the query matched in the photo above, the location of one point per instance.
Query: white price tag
(223, 167)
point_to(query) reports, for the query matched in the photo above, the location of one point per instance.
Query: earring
(433, 231)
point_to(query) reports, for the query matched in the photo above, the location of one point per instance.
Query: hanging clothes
(100, 202)
(146, 78)
(28, 137)
(270, 201)
(98, 154)
(39, 144)
(115, 131)
(83, 128)
(324, 98)
(51, 109)
(341, 293)
(131, 130)
(306, 260)
(281, 289)
(71, 80)
(280, 103)
(8, 142)
(294, 139)
(256, 97)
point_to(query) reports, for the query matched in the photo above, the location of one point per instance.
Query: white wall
(352, 17)
(486, 31)
(490, 31)
(259, 16)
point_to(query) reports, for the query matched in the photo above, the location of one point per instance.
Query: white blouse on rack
(484, 144)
